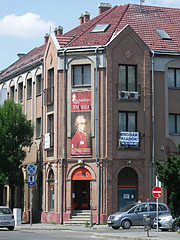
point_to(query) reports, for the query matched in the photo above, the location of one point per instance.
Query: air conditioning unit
(123, 94)
(133, 95)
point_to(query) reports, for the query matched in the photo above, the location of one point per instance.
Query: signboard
(47, 141)
(157, 192)
(129, 138)
(31, 179)
(81, 123)
(31, 168)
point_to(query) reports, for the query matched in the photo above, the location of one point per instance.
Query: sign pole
(31, 197)
(157, 200)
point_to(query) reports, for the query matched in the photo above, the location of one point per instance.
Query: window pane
(178, 123)
(172, 123)
(178, 78)
(87, 74)
(131, 122)
(77, 75)
(38, 84)
(122, 121)
(122, 78)
(171, 78)
(131, 78)
(29, 88)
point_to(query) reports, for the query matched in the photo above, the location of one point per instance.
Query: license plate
(4, 223)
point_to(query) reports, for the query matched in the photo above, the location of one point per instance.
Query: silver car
(6, 218)
(166, 222)
(132, 215)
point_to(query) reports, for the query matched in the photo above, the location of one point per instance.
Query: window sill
(174, 134)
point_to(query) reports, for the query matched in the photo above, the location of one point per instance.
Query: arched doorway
(81, 178)
(127, 187)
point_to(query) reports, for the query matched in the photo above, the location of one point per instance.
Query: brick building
(109, 107)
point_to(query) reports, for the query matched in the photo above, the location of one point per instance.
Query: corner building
(110, 107)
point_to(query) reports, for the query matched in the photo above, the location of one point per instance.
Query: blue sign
(31, 179)
(31, 168)
(129, 138)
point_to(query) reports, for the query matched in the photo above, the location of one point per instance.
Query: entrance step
(79, 217)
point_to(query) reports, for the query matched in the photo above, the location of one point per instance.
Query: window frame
(175, 78)
(82, 82)
(126, 120)
(29, 88)
(127, 87)
(20, 92)
(175, 123)
(38, 127)
(38, 84)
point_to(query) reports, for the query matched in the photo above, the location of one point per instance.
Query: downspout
(41, 155)
(63, 150)
(96, 129)
(153, 119)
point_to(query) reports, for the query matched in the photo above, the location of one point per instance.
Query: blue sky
(23, 23)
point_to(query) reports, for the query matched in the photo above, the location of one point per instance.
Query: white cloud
(27, 25)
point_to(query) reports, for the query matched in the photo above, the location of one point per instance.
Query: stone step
(79, 217)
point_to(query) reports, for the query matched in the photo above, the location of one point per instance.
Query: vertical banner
(81, 123)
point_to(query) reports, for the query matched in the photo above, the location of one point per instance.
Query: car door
(137, 216)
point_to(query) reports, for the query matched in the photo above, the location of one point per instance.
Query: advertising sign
(129, 138)
(81, 123)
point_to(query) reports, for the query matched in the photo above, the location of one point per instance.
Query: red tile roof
(145, 20)
(28, 58)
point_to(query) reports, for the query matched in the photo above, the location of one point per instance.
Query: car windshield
(5, 211)
(125, 209)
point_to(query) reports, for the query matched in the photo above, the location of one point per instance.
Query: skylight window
(100, 28)
(163, 34)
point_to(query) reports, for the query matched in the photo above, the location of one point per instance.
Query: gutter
(63, 155)
(153, 120)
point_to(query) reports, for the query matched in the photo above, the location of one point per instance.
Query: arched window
(51, 190)
(127, 187)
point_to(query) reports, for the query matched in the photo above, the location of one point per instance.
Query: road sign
(31, 179)
(31, 168)
(157, 192)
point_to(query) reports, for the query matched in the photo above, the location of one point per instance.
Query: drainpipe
(63, 154)
(41, 155)
(97, 160)
(153, 120)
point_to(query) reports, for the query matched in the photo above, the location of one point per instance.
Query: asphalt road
(46, 235)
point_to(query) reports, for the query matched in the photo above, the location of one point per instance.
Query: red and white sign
(157, 192)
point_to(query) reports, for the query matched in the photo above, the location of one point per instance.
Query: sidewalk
(138, 233)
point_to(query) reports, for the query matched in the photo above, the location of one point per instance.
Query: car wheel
(175, 228)
(115, 227)
(126, 224)
(10, 228)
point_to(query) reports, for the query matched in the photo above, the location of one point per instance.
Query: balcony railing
(49, 96)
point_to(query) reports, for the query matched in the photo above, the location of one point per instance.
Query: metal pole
(91, 217)
(31, 197)
(157, 215)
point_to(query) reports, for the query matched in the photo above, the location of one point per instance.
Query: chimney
(58, 31)
(86, 16)
(81, 19)
(46, 37)
(103, 7)
(20, 55)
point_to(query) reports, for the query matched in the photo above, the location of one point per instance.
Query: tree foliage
(16, 133)
(169, 174)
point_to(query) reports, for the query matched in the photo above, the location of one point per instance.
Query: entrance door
(81, 178)
(81, 195)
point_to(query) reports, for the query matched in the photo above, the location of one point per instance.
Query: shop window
(81, 75)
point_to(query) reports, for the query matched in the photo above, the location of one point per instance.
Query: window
(127, 78)
(81, 75)
(152, 207)
(38, 127)
(51, 190)
(163, 34)
(51, 84)
(29, 88)
(50, 128)
(127, 122)
(142, 208)
(20, 92)
(12, 91)
(174, 77)
(38, 85)
(174, 123)
(100, 28)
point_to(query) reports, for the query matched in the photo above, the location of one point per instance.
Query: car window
(5, 211)
(142, 208)
(152, 207)
(162, 207)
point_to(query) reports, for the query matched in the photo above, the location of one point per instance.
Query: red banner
(81, 123)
